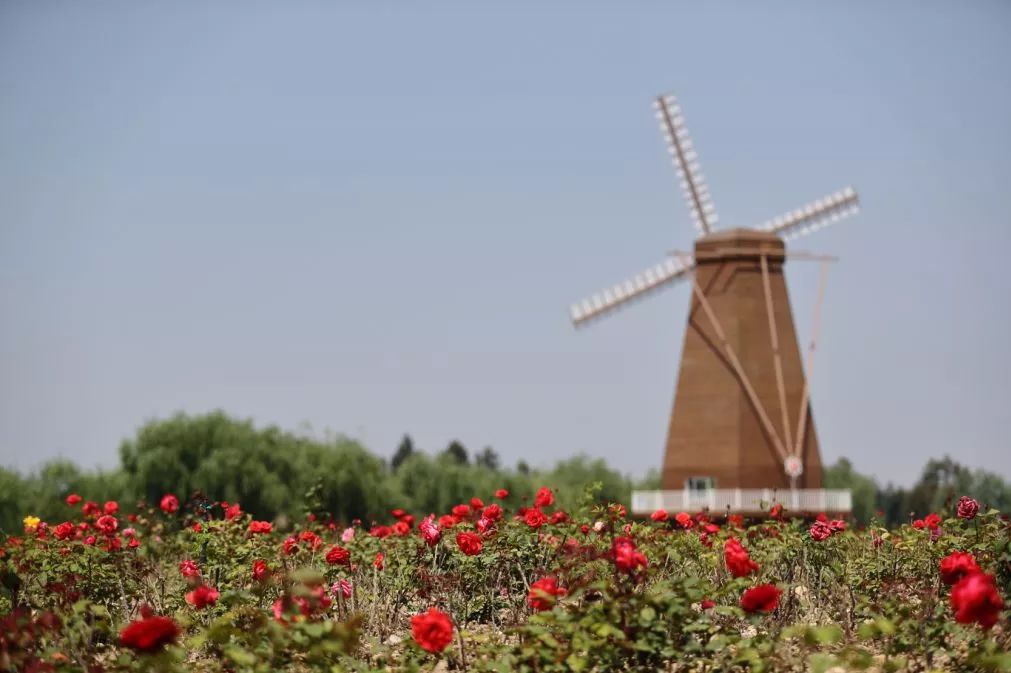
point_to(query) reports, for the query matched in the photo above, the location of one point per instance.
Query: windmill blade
(815, 215)
(621, 294)
(686, 162)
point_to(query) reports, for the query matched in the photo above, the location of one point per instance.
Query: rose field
(499, 584)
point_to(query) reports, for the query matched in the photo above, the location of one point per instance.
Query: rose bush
(198, 585)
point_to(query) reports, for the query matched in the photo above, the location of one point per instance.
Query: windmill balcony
(743, 500)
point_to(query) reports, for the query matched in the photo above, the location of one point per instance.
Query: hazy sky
(372, 217)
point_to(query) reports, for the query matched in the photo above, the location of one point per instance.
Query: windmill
(741, 417)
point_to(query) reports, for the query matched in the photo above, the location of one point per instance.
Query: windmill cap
(739, 243)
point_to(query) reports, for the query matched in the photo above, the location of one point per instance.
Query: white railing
(743, 500)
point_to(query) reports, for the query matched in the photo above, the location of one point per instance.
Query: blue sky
(372, 218)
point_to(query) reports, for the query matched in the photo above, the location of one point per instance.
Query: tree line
(274, 473)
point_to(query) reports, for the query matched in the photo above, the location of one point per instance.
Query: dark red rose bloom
(559, 517)
(202, 597)
(823, 518)
(169, 504)
(290, 546)
(975, 600)
(448, 521)
(378, 563)
(73, 499)
(776, 511)
(338, 556)
(189, 569)
(684, 520)
(820, 531)
(260, 570)
(837, 525)
(261, 527)
(107, 524)
(932, 520)
(967, 508)
(711, 528)
(397, 513)
(535, 518)
(401, 528)
(707, 604)
(659, 515)
(957, 565)
(763, 598)
(469, 543)
(150, 634)
(736, 520)
(476, 504)
(432, 630)
(492, 512)
(232, 511)
(918, 524)
(381, 531)
(461, 511)
(627, 557)
(64, 531)
(544, 497)
(501, 494)
(739, 563)
(90, 508)
(111, 507)
(543, 594)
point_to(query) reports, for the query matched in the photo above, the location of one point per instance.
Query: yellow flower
(32, 522)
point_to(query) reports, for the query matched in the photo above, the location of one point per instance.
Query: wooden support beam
(777, 360)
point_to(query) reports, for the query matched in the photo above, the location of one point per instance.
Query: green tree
(457, 452)
(404, 451)
(863, 488)
(487, 458)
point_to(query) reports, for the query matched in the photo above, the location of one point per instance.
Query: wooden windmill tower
(741, 417)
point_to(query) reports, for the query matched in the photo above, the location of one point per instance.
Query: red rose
(314, 541)
(763, 598)
(397, 513)
(169, 504)
(202, 597)
(469, 543)
(111, 507)
(707, 604)
(544, 497)
(260, 570)
(430, 532)
(380, 531)
(501, 494)
(820, 531)
(189, 569)
(736, 520)
(432, 630)
(659, 515)
(627, 557)
(448, 521)
(107, 524)
(684, 520)
(739, 563)
(535, 518)
(975, 599)
(967, 507)
(837, 525)
(776, 511)
(73, 499)
(559, 517)
(492, 512)
(476, 504)
(543, 593)
(261, 527)
(957, 565)
(150, 634)
(918, 524)
(378, 562)
(290, 546)
(233, 511)
(338, 556)
(461, 511)
(401, 528)
(90, 508)
(932, 520)
(64, 531)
